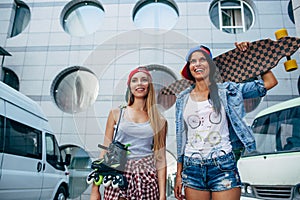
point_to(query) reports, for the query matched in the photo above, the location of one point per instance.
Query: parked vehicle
(31, 163)
(272, 172)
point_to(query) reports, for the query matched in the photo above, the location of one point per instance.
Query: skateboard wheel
(290, 65)
(99, 180)
(281, 33)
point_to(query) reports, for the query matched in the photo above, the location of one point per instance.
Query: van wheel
(61, 194)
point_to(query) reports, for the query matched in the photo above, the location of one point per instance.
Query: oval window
(231, 16)
(75, 89)
(157, 16)
(81, 18)
(79, 168)
(21, 17)
(11, 78)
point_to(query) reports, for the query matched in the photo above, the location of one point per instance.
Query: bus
(273, 170)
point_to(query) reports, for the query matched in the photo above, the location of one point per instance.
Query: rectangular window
(278, 131)
(22, 140)
(53, 154)
(232, 17)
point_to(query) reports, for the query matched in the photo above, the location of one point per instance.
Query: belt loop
(187, 160)
(201, 162)
(215, 162)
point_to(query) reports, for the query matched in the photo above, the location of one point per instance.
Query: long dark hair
(213, 88)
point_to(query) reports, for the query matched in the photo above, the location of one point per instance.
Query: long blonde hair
(157, 120)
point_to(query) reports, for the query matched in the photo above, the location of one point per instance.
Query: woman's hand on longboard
(242, 46)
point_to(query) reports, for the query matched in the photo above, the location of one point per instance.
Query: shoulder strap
(117, 127)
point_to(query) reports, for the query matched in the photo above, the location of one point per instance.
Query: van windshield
(277, 132)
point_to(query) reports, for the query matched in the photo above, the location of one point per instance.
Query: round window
(21, 17)
(11, 78)
(79, 168)
(291, 12)
(81, 18)
(231, 16)
(75, 89)
(157, 16)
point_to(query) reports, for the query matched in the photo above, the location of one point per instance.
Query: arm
(162, 176)
(178, 182)
(109, 131)
(95, 193)
(269, 79)
(161, 166)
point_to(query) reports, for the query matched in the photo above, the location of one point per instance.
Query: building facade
(73, 57)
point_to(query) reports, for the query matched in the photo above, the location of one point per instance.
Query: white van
(31, 163)
(273, 170)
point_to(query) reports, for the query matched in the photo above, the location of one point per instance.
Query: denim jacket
(232, 97)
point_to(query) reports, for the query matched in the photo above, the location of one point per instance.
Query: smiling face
(139, 84)
(199, 66)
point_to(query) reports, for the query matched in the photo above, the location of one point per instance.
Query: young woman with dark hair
(210, 131)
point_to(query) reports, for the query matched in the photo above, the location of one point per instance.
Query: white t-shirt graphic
(208, 134)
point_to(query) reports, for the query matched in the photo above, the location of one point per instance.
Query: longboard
(261, 56)
(240, 66)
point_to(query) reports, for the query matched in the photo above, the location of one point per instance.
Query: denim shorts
(217, 174)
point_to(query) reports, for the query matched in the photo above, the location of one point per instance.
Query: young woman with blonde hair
(144, 128)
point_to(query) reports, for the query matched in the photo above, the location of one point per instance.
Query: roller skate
(109, 170)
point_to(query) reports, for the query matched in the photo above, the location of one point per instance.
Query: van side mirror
(67, 159)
